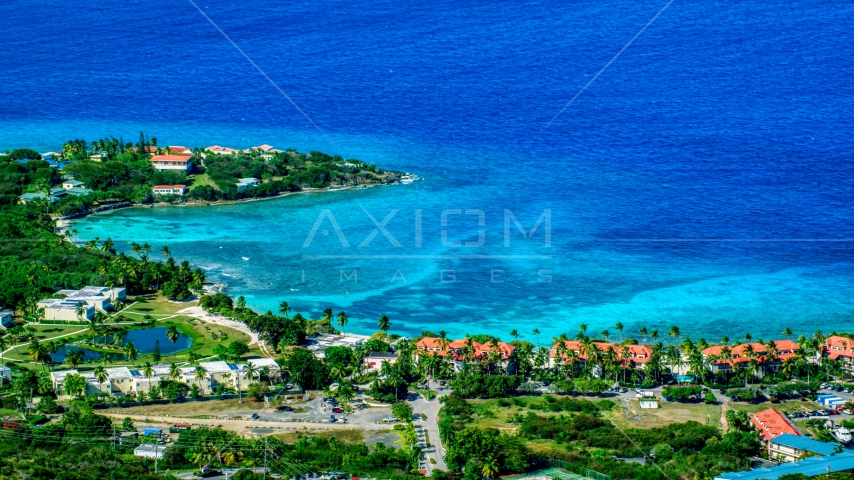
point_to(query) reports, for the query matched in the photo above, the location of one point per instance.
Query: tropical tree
(384, 323)
(284, 308)
(619, 328)
(788, 333)
(131, 352)
(74, 385)
(674, 332)
(173, 335)
(490, 468)
(200, 374)
(101, 376)
(342, 321)
(536, 333)
(148, 371)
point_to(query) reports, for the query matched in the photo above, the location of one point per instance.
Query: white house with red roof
(178, 150)
(171, 162)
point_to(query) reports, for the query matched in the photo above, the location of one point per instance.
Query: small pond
(144, 339)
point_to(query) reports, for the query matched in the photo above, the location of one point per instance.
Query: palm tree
(748, 337)
(101, 376)
(384, 323)
(490, 468)
(200, 374)
(674, 332)
(653, 335)
(174, 372)
(515, 334)
(619, 327)
(605, 334)
(73, 358)
(173, 335)
(148, 371)
(643, 331)
(192, 357)
(165, 251)
(131, 352)
(536, 333)
(251, 371)
(582, 328)
(342, 321)
(284, 308)
(788, 333)
(3, 346)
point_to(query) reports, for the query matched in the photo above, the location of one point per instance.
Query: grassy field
(488, 413)
(630, 415)
(346, 436)
(206, 336)
(783, 407)
(154, 305)
(202, 180)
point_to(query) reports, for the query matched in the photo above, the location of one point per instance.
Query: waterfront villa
(839, 348)
(178, 150)
(171, 162)
(244, 183)
(634, 354)
(723, 358)
(458, 350)
(169, 189)
(36, 197)
(89, 299)
(217, 150)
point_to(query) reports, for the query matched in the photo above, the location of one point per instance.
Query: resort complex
(80, 304)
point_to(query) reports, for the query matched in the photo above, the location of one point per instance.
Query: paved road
(431, 410)
(245, 425)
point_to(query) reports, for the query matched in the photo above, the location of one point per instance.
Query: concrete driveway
(430, 408)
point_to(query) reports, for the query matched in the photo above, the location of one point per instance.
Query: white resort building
(89, 299)
(122, 381)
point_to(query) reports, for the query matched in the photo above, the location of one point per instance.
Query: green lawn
(154, 305)
(202, 180)
(783, 406)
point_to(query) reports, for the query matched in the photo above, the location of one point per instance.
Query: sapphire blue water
(704, 180)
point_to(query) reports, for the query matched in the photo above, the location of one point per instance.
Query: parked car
(284, 408)
(390, 419)
(332, 418)
(337, 410)
(254, 416)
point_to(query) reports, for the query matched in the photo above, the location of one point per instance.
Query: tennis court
(552, 473)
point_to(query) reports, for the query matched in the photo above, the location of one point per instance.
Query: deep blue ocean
(703, 180)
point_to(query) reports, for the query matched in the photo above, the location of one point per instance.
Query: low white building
(169, 189)
(150, 451)
(6, 319)
(248, 182)
(91, 298)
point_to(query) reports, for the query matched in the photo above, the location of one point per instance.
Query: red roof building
(639, 354)
(838, 347)
(771, 424)
(740, 353)
(432, 345)
(171, 162)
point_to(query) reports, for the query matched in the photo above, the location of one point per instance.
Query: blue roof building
(812, 466)
(791, 448)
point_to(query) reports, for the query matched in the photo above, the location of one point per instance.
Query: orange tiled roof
(637, 353)
(836, 347)
(771, 424)
(434, 345)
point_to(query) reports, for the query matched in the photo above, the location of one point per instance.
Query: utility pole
(155, 458)
(265, 458)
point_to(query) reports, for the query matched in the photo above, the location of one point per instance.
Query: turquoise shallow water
(705, 179)
(589, 274)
